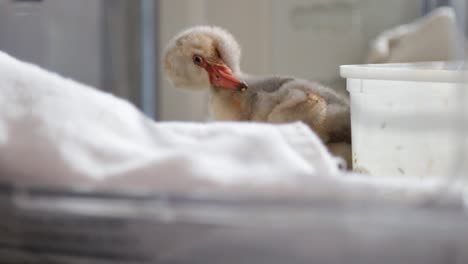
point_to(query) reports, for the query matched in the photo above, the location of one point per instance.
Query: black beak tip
(242, 86)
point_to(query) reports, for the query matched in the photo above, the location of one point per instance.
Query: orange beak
(222, 76)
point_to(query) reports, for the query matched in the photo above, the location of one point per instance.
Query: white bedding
(56, 131)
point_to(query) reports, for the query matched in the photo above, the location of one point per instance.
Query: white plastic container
(406, 118)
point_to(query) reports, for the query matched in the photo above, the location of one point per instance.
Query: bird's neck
(223, 92)
(229, 105)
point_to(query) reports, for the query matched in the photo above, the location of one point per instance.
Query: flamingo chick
(207, 57)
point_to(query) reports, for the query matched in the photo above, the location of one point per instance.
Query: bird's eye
(197, 59)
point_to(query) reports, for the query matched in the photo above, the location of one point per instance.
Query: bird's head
(201, 57)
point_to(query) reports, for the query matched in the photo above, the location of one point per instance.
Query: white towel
(55, 131)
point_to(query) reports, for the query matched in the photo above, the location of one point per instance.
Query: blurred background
(116, 45)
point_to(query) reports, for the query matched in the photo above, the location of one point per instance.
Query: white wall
(63, 36)
(179, 104)
(312, 38)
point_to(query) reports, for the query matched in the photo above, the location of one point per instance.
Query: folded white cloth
(56, 131)
(430, 38)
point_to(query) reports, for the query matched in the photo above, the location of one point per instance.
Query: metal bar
(148, 58)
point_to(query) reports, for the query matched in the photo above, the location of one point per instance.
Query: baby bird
(208, 57)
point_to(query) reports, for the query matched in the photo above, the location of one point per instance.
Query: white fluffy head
(208, 41)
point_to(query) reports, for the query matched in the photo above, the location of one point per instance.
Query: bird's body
(209, 56)
(284, 99)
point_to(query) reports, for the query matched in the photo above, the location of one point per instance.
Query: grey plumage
(331, 118)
